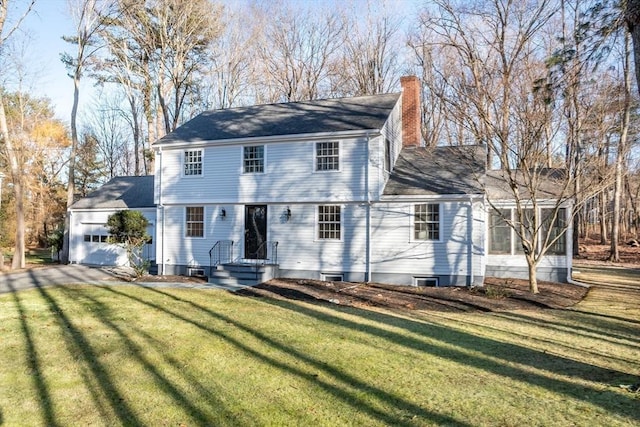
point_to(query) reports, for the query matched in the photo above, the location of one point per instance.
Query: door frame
(247, 254)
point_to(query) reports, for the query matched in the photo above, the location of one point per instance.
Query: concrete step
(242, 274)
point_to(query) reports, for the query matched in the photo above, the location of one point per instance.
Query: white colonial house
(337, 189)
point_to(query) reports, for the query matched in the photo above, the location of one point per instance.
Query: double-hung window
(253, 159)
(503, 239)
(192, 162)
(555, 230)
(426, 221)
(194, 221)
(327, 156)
(329, 226)
(500, 232)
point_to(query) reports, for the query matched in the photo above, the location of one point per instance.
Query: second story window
(253, 159)
(192, 162)
(327, 156)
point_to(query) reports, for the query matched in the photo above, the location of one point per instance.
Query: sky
(42, 32)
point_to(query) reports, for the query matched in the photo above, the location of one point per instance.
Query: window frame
(316, 157)
(492, 226)
(340, 224)
(438, 222)
(560, 224)
(185, 163)
(516, 246)
(187, 222)
(244, 159)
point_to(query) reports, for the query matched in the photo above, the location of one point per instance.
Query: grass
(126, 355)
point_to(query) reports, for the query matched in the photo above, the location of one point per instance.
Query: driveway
(53, 275)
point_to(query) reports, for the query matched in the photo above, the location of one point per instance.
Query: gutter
(368, 238)
(161, 209)
(472, 219)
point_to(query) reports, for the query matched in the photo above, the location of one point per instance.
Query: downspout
(569, 252)
(471, 274)
(368, 237)
(161, 208)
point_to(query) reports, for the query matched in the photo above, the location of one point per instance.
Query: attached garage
(88, 238)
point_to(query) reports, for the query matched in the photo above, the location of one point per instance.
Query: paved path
(70, 274)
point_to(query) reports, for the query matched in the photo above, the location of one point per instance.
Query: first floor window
(554, 229)
(193, 162)
(329, 222)
(426, 222)
(503, 239)
(195, 221)
(327, 156)
(500, 232)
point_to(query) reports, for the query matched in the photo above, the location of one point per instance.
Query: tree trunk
(533, 278)
(71, 188)
(16, 177)
(603, 218)
(614, 254)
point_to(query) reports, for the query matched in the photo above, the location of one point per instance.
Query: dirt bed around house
(496, 295)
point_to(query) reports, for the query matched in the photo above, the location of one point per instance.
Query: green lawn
(87, 355)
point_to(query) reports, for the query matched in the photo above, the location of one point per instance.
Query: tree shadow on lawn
(511, 353)
(104, 314)
(32, 357)
(349, 391)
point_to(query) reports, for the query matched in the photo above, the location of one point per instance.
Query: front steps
(238, 276)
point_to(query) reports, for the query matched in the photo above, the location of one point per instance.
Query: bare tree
(371, 54)
(16, 174)
(298, 52)
(88, 17)
(622, 150)
(496, 76)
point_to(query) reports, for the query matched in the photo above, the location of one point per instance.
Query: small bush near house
(129, 229)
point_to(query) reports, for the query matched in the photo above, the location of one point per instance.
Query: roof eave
(269, 139)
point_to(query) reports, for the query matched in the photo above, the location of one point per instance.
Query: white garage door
(94, 248)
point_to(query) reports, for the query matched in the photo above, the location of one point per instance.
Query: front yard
(88, 355)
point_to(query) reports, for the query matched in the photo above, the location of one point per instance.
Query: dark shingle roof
(121, 192)
(327, 115)
(438, 171)
(551, 183)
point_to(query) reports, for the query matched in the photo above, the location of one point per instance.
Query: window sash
(329, 222)
(500, 232)
(253, 159)
(192, 162)
(426, 221)
(559, 247)
(327, 156)
(194, 221)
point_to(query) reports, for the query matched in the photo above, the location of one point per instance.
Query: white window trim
(183, 164)
(514, 237)
(316, 227)
(204, 222)
(264, 159)
(416, 279)
(315, 157)
(325, 277)
(412, 224)
(511, 231)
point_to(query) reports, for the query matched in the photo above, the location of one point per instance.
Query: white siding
(289, 175)
(396, 251)
(298, 248)
(101, 253)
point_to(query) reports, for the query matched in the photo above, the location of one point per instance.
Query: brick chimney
(411, 132)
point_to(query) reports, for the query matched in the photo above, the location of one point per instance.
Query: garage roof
(121, 192)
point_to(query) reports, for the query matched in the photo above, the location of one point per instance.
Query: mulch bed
(496, 295)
